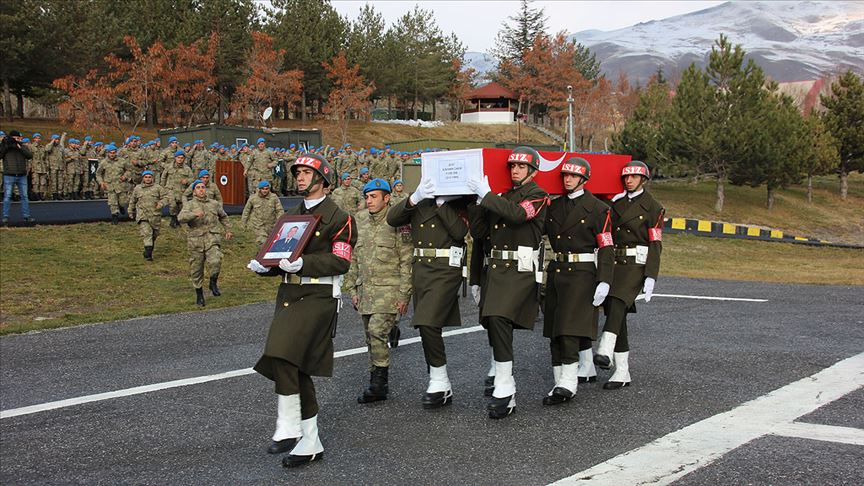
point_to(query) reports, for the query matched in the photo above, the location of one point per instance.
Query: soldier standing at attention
(398, 192)
(438, 233)
(39, 168)
(145, 208)
(175, 180)
(514, 222)
(114, 176)
(204, 238)
(577, 281)
(379, 283)
(347, 196)
(300, 344)
(261, 163)
(72, 161)
(637, 225)
(261, 212)
(56, 165)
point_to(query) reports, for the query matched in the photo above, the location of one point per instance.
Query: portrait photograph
(288, 238)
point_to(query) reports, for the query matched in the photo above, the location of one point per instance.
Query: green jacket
(261, 213)
(147, 201)
(635, 222)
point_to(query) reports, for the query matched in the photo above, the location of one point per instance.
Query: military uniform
(637, 222)
(115, 176)
(204, 239)
(176, 179)
(437, 231)
(260, 215)
(145, 206)
(348, 198)
(261, 163)
(39, 169)
(579, 233)
(213, 192)
(56, 166)
(74, 170)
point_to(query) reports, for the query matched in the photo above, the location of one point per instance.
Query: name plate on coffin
(451, 170)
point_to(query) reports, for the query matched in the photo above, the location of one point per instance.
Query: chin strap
(316, 178)
(531, 171)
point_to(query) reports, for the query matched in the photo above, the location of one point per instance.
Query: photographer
(15, 156)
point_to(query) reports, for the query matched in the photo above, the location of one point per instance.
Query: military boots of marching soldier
(503, 400)
(378, 388)
(439, 393)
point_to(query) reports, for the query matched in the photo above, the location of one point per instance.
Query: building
(235, 134)
(491, 103)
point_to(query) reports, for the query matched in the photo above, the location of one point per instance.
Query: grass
(360, 134)
(827, 218)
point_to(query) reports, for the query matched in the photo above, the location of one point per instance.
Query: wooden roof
(491, 90)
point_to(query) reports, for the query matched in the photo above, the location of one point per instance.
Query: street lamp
(571, 135)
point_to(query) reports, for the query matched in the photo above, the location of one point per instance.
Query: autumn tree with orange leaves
(265, 85)
(90, 103)
(350, 93)
(187, 81)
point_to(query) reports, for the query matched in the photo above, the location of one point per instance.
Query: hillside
(360, 134)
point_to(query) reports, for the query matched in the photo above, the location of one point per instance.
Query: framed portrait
(288, 238)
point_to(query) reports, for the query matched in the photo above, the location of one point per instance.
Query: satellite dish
(267, 113)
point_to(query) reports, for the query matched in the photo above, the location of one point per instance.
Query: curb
(714, 229)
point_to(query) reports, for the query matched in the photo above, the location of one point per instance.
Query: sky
(476, 23)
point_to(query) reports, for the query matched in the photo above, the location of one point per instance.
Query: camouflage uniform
(137, 160)
(260, 215)
(380, 275)
(176, 179)
(204, 237)
(261, 163)
(39, 168)
(347, 198)
(213, 192)
(56, 166)
(73, 159)
(145, 206)
(115, 174)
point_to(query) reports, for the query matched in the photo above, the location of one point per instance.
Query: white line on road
(827, 433)
(705, 297)
(669, 458)
(138, 390)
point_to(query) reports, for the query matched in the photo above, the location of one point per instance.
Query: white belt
(630, 252)
(290, 278)
(577, 257)
(432, 252)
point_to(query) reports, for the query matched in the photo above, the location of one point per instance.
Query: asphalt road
(692, 359)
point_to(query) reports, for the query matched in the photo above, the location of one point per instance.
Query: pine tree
(844, 118)
(586, 62)
(513, 40)
(821, 155)
(643, 134)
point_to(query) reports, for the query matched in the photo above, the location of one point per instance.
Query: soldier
(71, 161)
(637, 222)
(577, 281)
(360, 183)
(39, 168)
(166, 158)
(212, 191)
(300, 343)
(175, 179)
(201, 158)
(56, 165)
(145, 208)
(379, 283)
(398, 192)
(260, 165)
(261, 212)
(514, 223)
(114, 176)
(438, 229)
(204, 238)
(347, 196)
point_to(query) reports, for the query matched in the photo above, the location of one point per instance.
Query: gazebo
(490, 103)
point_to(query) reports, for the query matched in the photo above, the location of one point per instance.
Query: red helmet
(636, 167)
(577, 166)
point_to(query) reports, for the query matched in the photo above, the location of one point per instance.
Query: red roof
(491, 90)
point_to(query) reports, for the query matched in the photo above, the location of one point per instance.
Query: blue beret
(203, 172)
(187, 145)
(146, 172)
(397, 181)
(376, 185)
(73, 140)
(37, 134)
(172, 139)
(25, 140)
(110, 148)
(364, 170)
(88, 138)
(198, 141)
(346, 175)
(98, 144)
(55, 137)
(261, 139)
(373, 150)
(292, 146)
(214, 145)
(386, 146)
(196, 182)
(179, 153)
(263, 184)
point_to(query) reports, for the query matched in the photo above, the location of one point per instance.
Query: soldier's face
(112, 154)
(199, 190)
(398, 187)
(173, 145)
(36, 140)
(572, 182)
(262, 145)
(304, 176)
(205, 179)
(632, 182)
(264, 191)
(364, 177)
(148, 179)
(179, 160)
(346, 181)
(376, 200)
(518, 171)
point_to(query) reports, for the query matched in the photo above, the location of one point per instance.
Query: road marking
(704, 297)
(670, 457)
(826, 433)
(138, 390)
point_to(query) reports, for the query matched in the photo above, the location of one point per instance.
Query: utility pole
(571, 134)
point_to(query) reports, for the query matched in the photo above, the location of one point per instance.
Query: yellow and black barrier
(701, 227)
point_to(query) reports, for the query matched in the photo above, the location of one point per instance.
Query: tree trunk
(721, 195)
(303, 106)
(389, 107)
(770, 197)
(844, 182)
(810, 189)
(20, 96)
(220, 116)
(7, 100)
(434, 111)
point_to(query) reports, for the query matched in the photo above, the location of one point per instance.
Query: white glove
(257, 267)
(291, 267)
(600, 294)
(648, 288)
(480, 187)
(475, 292)
(443, 199)
(425, 190)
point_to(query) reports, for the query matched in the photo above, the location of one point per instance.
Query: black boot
(214, 287)
(500, 407)
(488, 386)
(199, 293)
(282, 446)
(174, 222)
(55, 196)
(377, 389)
(148, 253)
(115, 218)
(88, 195)
(559, 395)
(394, 336)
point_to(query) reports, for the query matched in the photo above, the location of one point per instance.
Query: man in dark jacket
(15, 155)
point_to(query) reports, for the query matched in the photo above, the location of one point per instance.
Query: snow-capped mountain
(791, 41)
